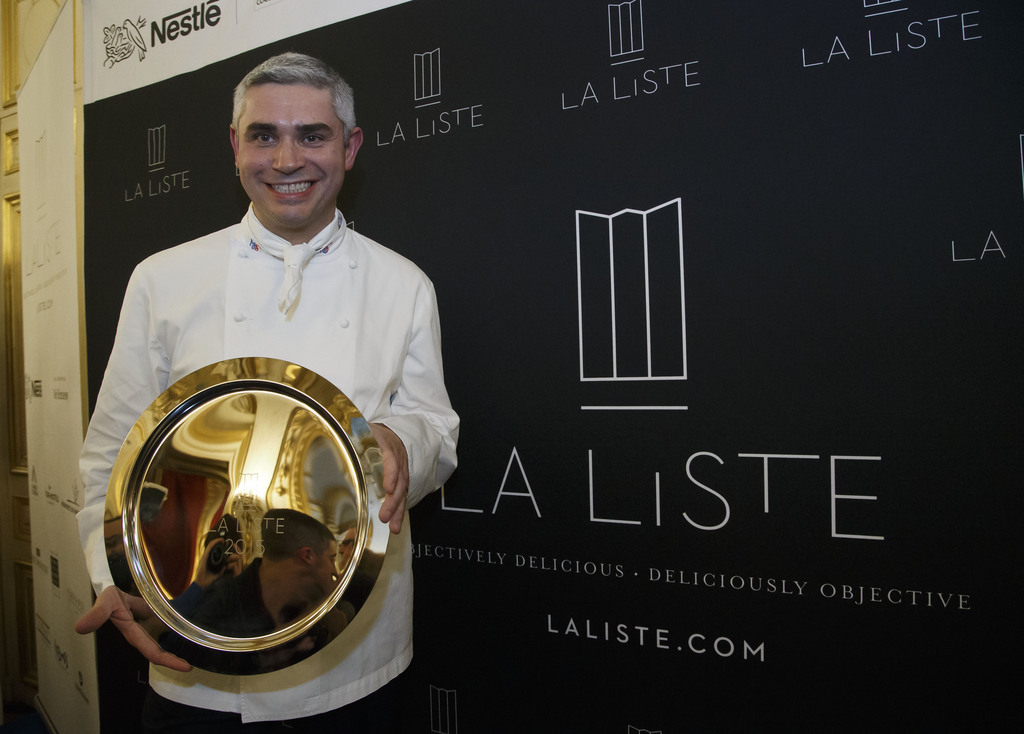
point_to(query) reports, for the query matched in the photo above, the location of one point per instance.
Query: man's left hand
(396, 476)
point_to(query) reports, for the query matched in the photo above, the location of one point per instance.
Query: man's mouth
(291, 188)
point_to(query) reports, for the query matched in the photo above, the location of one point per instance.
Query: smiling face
(291, 155)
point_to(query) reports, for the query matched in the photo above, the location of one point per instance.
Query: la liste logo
(161, 179)
(432, 116)
(633, 74)
(128, 39)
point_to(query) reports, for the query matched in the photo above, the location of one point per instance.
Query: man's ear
(233, 134)
(306, 555)
(355, 140)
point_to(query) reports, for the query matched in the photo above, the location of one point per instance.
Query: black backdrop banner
(732, 306)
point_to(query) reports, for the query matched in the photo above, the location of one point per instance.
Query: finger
(392, 511)
(92, 620)
(141, 641)
(397, 519)
(395, 474)
(107, 603)
(137, 607)
(390, 473)
(121, 610)
(393, 503)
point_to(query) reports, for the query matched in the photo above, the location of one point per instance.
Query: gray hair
(295, 68)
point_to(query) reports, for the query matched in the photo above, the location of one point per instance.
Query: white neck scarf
(295, 257)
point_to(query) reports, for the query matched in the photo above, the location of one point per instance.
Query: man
(296, 573)
(292, 282)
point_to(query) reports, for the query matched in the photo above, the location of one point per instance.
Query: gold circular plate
(243, 508)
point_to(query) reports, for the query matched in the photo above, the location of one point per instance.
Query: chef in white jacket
(292, 282)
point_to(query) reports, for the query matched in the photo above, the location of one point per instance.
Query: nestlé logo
(121, 41)
(182, 23)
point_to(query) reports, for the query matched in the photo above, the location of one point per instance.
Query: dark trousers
(378, 713)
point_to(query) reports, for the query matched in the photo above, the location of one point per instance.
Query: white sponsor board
(132, 43)
(67, 667)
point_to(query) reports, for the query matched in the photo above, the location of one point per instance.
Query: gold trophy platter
(243, 508)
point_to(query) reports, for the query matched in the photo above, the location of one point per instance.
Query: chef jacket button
(353, 264)
(239, 317)
(344, 323)
(243, 253)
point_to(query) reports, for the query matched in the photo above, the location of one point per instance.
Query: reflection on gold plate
(243, 507)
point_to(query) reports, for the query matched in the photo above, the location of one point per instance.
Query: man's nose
(287, 156)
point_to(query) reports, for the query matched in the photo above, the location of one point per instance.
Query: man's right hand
(122, 609)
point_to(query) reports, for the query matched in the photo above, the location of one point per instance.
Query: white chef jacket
(367, 321)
